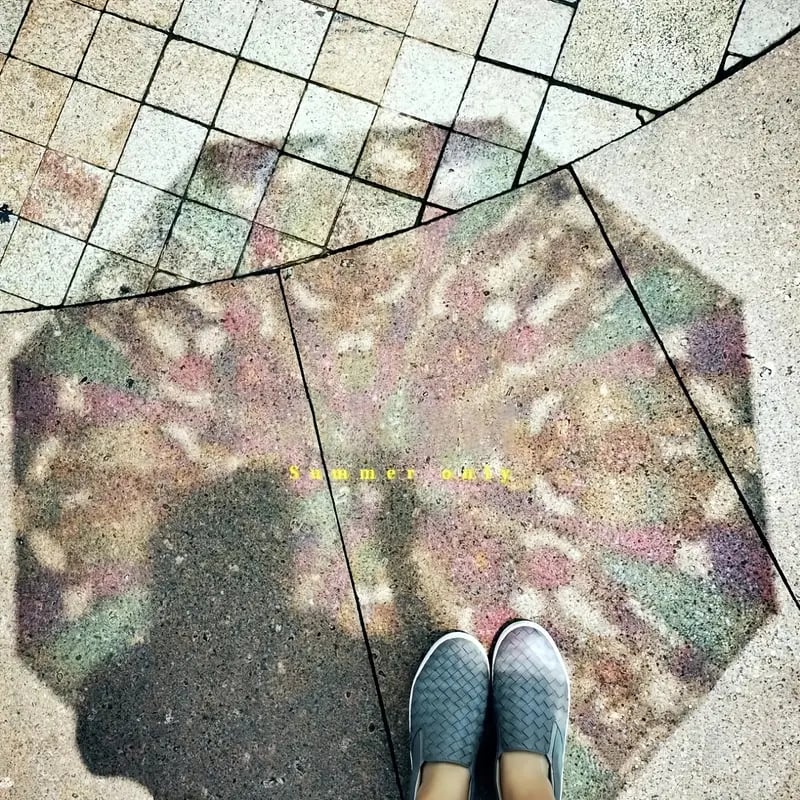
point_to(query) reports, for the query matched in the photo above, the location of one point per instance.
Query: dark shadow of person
(235, 694)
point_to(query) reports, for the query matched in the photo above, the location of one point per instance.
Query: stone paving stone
(55, 34)
(221, 24)
(287, 35)
(573, 124)
(472, 170)
(330, 128)
(30, 100)
(260, 104)
(302, 200)
(428, 82)
(10, 302)
(205, 244)
(122, 56)
(158, 13)
(357, 57)
(39, 263)
(368, 212)
(763, 22)
(19, 161)
(190, 80)
(503, 340)
(401, 152)
(267, 247)
(527, 33)
(649, 52)
(232, 174)
(162, 150)
(94, 125)
(11, 15)
(102, 275)
(391, 13)
(728, 210)
(187, 684)
(500, 105)
(66, 194)
(135, 220)
(455, 24)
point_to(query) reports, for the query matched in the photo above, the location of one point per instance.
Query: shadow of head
(234, 691)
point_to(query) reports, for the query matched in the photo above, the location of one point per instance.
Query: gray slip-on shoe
(530, 688)
(447, 705)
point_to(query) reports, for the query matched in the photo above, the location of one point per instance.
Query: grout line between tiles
(706, 430)
(721, 69)
(351, 577)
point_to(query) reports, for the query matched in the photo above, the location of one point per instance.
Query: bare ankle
(525, 776)
(444, 782)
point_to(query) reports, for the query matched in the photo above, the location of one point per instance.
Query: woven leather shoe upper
(448, 703)
(531, 697)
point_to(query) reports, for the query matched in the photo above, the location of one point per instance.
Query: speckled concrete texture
(556, 471)
(651, 52)
(731, 210)
(155, 588)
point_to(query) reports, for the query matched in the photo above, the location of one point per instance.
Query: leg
(445, 717)
(531, 699)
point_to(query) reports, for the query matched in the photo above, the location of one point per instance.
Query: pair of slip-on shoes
(449, 695)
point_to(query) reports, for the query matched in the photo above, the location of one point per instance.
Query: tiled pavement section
(150, 431)
(119, 119)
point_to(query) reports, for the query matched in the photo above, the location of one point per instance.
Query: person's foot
(530, 687)
(446, 710)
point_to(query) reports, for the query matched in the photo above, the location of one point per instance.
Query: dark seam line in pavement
(370, 657)
(529, 144)
(451, 128)
(448, 213)
(725, 52)
(761, 535)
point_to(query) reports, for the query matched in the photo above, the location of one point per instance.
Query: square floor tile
(39, 263)
(221, 24)
(270, 248)
(94, 125)
(122, 56)
(66, 194)
(302, 200)
(368, 212)
(162, 150)
(11, 14)
(260, 104)
(19, 161)
(287, 35)
(205, 244)
(10, 302)
(357, 57)
(55, 34)
(330, 128)
(472, 170)
(30, 100)
(401, 152)
(102, 275)
(190, 80)
(500, 105)
(457, 24)
(158, 13)
(135, 220)
(232, 174)
(391, 13)
(573, 124)
(428, 82)
(527, 33)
